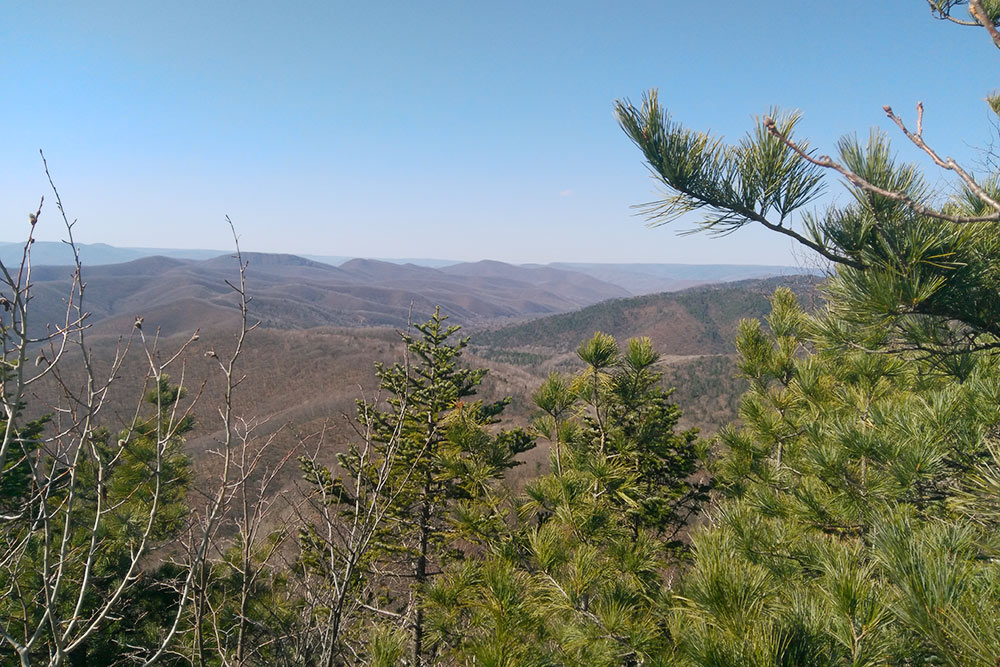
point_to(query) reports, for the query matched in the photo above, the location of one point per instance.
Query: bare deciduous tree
(82, 508)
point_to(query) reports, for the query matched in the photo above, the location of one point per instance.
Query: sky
(457, 130)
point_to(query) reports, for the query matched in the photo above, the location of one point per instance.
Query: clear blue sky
(461, 130)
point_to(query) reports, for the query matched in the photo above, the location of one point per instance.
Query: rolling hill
(692, 329)
(290, 292)
(642, 279)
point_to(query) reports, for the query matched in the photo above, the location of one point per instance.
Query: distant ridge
(98, 254)
(648, 278)
(376, 269)
(698, 320)
(291, 292)
(635, 279)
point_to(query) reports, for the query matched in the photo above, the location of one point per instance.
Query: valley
(322, 328)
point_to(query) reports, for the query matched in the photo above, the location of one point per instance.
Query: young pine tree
(425, 464)
(579, 579)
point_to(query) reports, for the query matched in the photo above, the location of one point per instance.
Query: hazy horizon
(198, 253)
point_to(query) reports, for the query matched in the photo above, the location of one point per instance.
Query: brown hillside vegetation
(301, 382)
(692, 329)
(290, 292)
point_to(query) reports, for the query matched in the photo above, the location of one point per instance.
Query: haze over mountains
(636, 278)
(179, 290)
(642, 279)
(290, 292)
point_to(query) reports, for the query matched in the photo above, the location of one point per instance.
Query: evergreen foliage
(422, 478)
(843, 535)
(116, 505)
(852, 524)
(908, 275)
(578, 576)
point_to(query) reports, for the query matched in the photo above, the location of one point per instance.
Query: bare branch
(828, 163)
(979, 13)
(946, 163)
(938, 12)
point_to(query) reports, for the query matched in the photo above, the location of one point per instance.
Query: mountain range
(300, 382)
(290, 292)
(636, 278)
(176, 289)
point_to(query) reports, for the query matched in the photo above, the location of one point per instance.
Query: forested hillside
(693, 329)
(699, 320)
(301, 381)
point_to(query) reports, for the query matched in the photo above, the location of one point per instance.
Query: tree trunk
(420, 573)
